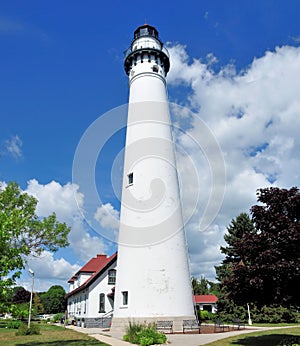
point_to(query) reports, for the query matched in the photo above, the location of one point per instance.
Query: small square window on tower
(155, 68)
(125, 297)
(130, 178)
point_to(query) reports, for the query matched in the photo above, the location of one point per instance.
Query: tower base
(119, 324)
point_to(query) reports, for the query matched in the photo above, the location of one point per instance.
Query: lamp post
(249, 316)
(31, 294)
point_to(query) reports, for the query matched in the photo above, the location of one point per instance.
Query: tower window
(125, 297)
(155, 68)
(130, 178)
(101, 302)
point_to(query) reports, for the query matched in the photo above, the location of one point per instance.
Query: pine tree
(235, 256)
(38, 307)
(200, 286)
(237, 229)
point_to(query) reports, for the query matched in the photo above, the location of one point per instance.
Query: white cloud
(13, 146)
(49, 271)
(254, 116)
(107, 216)
(296, 39)
(68, 204)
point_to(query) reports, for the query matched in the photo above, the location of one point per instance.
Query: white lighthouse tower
(153, 278)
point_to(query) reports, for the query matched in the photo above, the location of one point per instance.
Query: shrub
(14, 324)
(273, 314)
(24, 330)
(265, 314)
(203, 314)
(131, 332)
(57, 317)
(137, 333)
(234, 311)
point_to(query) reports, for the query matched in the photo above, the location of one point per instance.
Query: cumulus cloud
(107, 216)
(49, 271)
(13, 146)
(254, 116)
(68, 204)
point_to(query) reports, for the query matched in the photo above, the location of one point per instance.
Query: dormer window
(112, 277)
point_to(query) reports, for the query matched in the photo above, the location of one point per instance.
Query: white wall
(97, 287)
(85, 304)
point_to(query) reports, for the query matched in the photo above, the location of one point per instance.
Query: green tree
(20, 295)
(37, 305)
(200, 286)
(236, 231)
(274, 252)
(54, 300)
(270, 270)
(19, 311)
(235, 253)
(214, 288)
(235, 256)
(22, 234)
(204, 286)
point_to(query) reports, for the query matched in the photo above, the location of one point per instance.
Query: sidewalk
(115, 339)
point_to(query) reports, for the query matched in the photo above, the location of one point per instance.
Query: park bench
(220, 325)
(237, 323)
(164, 326)
(191, 325)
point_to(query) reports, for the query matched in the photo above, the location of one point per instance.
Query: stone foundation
(119, 324)
(95, 322)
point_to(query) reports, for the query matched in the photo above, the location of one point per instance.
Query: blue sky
(62, 67)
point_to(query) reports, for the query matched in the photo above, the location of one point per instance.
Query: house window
(101, 302)
(85, 297)
(112, 277)
(125, 297)
(130, 178)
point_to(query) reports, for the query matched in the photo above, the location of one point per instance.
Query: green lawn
(265, 338)
(50, 336)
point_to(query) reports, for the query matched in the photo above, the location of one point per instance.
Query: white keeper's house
(90, 300)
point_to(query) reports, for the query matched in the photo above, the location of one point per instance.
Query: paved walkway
(115, 339)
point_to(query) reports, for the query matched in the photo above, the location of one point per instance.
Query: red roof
(94, 265)
(103, 264)
(205, 298)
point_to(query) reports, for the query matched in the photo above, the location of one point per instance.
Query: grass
(50, 336)
(275, 324)
(266, 338)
